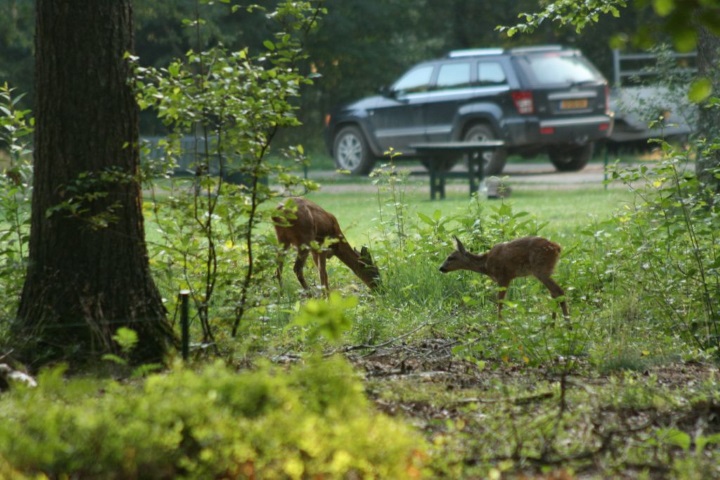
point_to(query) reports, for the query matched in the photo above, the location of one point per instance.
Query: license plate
(573, 104)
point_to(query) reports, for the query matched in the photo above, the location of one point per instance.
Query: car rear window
(491, 73)
(553, 69)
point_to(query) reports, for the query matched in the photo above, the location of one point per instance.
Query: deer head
(461, 259)
(368, 272)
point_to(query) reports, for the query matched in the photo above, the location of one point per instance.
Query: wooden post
(185, 323)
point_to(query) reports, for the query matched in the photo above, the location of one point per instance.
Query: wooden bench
(434, 155)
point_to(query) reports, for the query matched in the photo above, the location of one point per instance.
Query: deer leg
(556, 291)
(501, 296)
(321, 262)
(300, 265)
(280, 265)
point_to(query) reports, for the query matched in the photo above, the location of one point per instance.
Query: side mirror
(386, 91)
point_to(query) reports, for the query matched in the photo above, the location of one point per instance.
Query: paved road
(517, 174)
(545, 174)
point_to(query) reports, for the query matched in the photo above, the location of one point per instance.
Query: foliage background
(360, 46)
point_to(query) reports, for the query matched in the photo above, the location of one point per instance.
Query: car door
(398, 121)
(480, 83)
(452, 88)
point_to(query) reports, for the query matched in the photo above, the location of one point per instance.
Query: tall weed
(233, 104)
(671, 253)
(16, 128)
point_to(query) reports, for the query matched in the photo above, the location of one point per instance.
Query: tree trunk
(88, 271)
(709, 118)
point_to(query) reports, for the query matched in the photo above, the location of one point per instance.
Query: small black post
(185, 323)
(605, 165)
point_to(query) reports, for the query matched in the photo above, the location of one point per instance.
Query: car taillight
(328, 117)
(523, 100)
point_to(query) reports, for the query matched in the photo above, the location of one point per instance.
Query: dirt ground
(431, 363)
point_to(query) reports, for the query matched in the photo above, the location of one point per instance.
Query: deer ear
(365, 256)
(460, 246)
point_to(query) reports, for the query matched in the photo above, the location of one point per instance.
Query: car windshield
(553, 69)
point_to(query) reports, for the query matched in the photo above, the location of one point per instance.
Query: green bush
(309, 422)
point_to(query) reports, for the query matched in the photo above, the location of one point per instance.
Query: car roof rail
(538, 48)
(473, 52)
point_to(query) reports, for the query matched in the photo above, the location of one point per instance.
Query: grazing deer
(302, 222)
(505, 261)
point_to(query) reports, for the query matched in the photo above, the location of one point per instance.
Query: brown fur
(310, 229)
(525, 256)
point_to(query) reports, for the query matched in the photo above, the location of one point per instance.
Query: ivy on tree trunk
(88, 271)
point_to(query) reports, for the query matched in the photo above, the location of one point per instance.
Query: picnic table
(434, 155)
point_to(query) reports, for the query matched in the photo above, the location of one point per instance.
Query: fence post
(185, 323)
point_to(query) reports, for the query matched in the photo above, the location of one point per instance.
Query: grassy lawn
(564, 211)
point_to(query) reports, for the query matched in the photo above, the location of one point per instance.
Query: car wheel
(351, 152)
(571, 159)
(493, 161)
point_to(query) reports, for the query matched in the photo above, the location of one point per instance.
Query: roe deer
(302, 222)
(505, 261)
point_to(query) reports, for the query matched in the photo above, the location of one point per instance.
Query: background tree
(16, 42)
(88, 271)
(360, 45)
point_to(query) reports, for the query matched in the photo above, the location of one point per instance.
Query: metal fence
(192, 158)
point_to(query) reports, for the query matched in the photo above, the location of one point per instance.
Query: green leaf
(425, 218)
(673, 436)
(701, 441)
(109, 357)
(663, 7)
(684, 38)
(700, 90)
(326, 318)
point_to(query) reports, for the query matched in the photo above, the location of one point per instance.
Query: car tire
(571, 159)
(493, 161)
(351, 151)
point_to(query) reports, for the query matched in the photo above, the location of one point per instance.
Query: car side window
(453, 75)
(491, 73)
(416, 80)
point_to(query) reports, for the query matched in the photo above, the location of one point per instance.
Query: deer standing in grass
(310, 229)
(525, 256)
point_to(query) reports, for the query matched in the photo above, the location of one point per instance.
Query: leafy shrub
(16, 128)
(309, 422)
(670, 251)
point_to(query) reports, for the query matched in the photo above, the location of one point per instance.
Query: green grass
(564, 211)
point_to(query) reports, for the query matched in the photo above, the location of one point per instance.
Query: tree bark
(709, 118)
(88, 271)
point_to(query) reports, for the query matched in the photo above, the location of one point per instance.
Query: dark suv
(544, 99)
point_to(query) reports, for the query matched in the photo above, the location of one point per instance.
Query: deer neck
(346, 254)
(477, 263)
